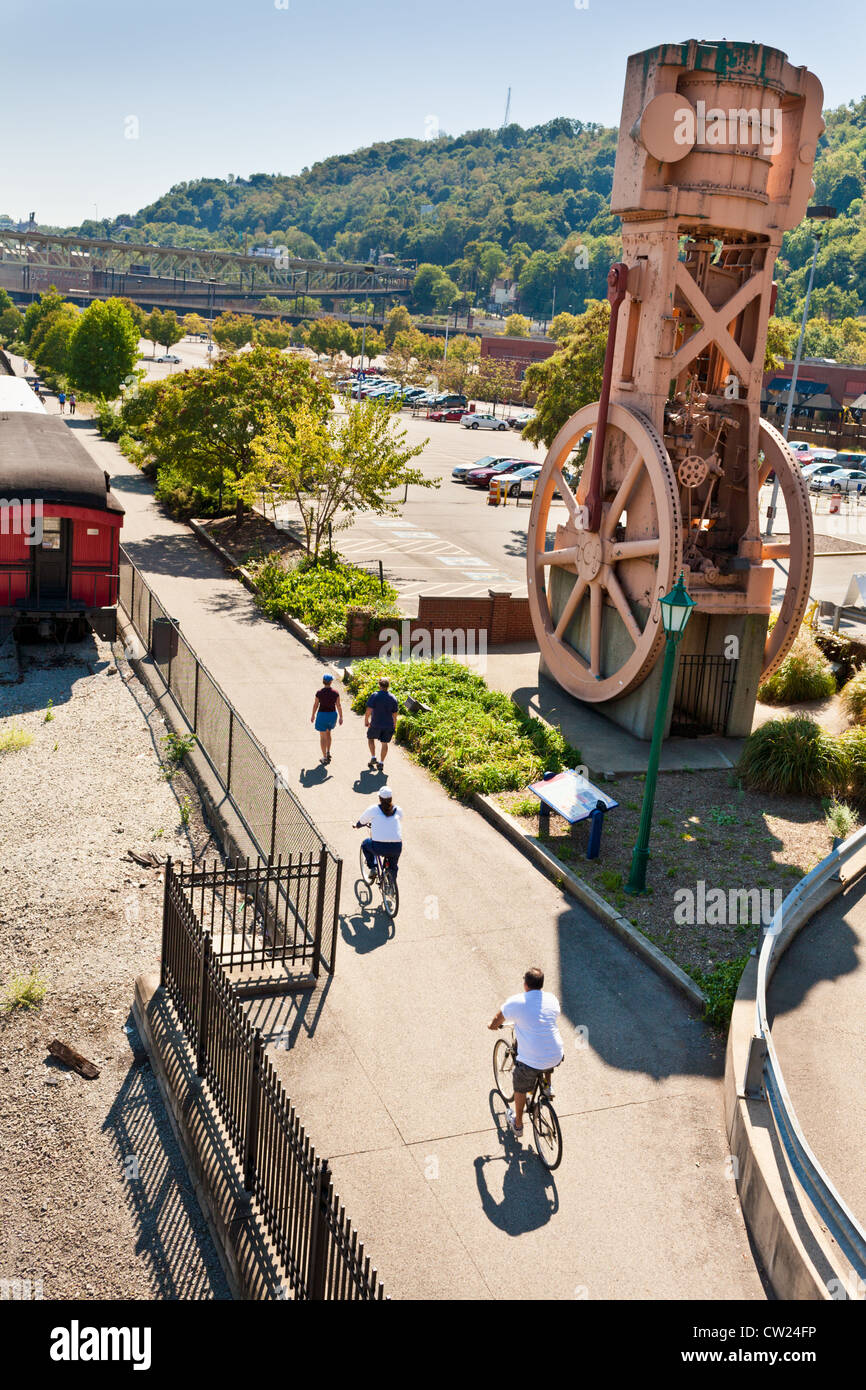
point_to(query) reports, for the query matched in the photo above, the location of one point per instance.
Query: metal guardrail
(763, 1067)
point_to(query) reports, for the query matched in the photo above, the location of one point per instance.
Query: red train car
(59, 524)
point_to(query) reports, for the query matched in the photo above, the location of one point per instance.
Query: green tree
(49, 342)
(206, 421)
(561, 326)
(103, 349)
(162, 328)
(38, 311)
(11, 319)
(333, 473)
(233, 331)
(397, 320)
(571, 377)
(497, 381)
(272, 333)
(517, 326)
(135, 311)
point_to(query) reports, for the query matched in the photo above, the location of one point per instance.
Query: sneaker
(372, 764)
(327, 758)
(509, 1114)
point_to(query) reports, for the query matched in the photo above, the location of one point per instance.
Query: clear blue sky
(246, 86)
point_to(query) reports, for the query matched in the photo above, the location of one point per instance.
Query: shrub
(109, 420)
(182, 498)
(321, 595)
(854, 697)
(794, 756)
(805, 674)
(841, 820)
(853, 741)
(472, 739)
(720, 986)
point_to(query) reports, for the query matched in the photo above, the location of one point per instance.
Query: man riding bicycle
(533, 1016)
(386, 832)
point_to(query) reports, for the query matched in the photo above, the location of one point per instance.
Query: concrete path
(816, 1003)
(390, 1064)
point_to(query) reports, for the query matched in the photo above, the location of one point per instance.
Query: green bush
(109, 420)
(805, 674)
(321, 595)
(179, 496)
(472, 739)
(720, 986)
(794, 756)
(854, 697)
(841, 820)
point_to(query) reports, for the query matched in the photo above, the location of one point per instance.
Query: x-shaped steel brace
(714, 323)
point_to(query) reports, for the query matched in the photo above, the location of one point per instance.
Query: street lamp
(676, 610)
(815, 214)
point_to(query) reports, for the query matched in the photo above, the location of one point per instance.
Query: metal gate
(704, 691)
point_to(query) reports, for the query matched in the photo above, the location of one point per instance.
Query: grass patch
(720, 986)
(472, 739)
(24, 992)
(176, 748)
(13, 739)
(854, 697)
(320, 596)
(841, 819)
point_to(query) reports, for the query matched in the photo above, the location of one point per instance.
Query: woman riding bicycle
(386, 832)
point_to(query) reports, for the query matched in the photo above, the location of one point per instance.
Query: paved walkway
(390, 1064)
(816, 1004)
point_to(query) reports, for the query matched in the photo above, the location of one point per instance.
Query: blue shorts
(325, 720)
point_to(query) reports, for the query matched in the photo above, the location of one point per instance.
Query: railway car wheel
(600, 639)
(796, 554)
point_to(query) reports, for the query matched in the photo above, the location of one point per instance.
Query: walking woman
(326, 710)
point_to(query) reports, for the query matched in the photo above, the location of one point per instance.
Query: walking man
(326, 710)
(61, 401)
(379, 722)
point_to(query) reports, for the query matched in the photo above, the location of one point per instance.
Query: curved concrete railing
(800, 1263)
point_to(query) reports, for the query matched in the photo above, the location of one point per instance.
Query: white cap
(385, 794)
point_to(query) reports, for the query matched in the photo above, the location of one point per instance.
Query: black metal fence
(276, 821)
(302, 1215)
(703, 695)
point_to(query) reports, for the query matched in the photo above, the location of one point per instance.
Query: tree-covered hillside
(530, 203)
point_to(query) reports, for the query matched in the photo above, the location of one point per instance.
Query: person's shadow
(313, 776)
(529, 1197)
(368, 782)
(368, 929)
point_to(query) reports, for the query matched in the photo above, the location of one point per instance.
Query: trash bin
(835, 503)
(163, 640)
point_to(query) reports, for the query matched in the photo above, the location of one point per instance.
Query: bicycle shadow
(529, 1196)
(370, 928)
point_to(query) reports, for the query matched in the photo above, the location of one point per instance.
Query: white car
(168, 357)
(840, 480)
(483, 422)
(462, 471)
(513, 484)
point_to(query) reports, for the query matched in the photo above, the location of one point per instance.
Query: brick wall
(504, 621)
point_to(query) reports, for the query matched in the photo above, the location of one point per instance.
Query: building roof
(41, 460)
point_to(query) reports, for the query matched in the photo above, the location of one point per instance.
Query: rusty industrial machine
(714, 163)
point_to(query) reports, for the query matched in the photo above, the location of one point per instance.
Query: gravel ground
(95, 1200)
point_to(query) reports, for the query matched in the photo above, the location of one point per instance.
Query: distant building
(503, 294)
(821, 385)
(520, 352)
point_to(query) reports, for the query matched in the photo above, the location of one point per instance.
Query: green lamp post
(676, 610)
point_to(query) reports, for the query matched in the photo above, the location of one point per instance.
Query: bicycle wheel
(365, 872)
(390, 893)
(548, 1135)
(503, 1069)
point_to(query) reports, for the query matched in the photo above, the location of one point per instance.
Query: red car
(449, 416)
(480, 477)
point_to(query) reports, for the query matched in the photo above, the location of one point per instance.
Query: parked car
(849, 460)
(450, 399)
(480, 477)
(461, 472)
(483, 422)
(840, 480)
(168, 357)
(446, 416)
(519, 479)
(522, 418)
(801, 449)
(811, 471)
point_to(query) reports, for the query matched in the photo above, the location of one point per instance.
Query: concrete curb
(563, 877)
(297, 629)
(800, 1258)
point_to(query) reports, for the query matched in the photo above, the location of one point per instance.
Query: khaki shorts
(525, 1077)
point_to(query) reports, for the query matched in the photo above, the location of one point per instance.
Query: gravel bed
(95, 1201)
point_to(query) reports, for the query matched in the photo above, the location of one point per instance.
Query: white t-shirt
(533, 1014)
(388, 829)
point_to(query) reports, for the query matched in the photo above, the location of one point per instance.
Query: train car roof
(41, 460)
(17, 395)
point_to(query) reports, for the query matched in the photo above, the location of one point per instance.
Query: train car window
(51, 526)
(93, 530)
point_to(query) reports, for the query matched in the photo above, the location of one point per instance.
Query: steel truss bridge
(182, 277)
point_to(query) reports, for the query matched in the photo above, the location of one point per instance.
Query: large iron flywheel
(796, 554)
(593, 595)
